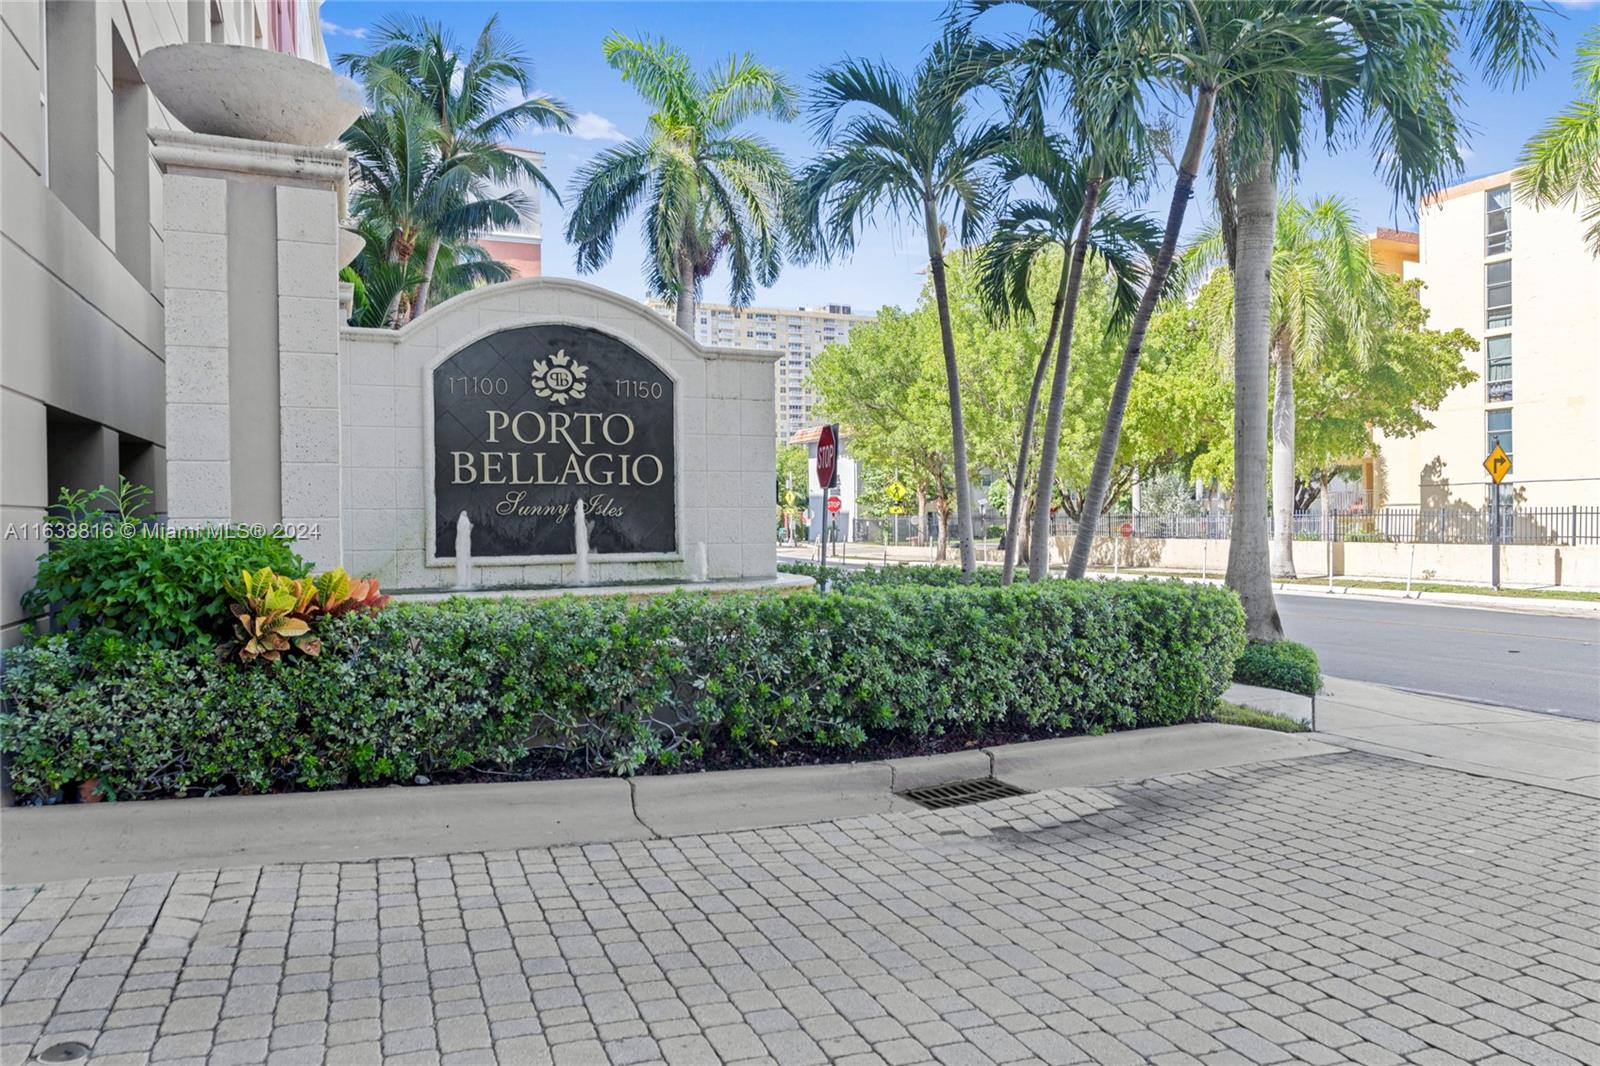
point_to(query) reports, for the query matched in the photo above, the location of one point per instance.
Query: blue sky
(564, 42)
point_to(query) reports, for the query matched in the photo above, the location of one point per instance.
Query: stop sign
(827, 457)
(835, 505)
(1127, 529)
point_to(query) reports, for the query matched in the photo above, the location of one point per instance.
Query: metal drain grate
(961, 793)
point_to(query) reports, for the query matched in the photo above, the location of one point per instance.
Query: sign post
(827, 480)
(1498, 464)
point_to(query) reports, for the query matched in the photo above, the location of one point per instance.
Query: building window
(1499, 375)
(130, 118)
(1497, 221)
(1497, 294)
(71, 112)
(1499, 427)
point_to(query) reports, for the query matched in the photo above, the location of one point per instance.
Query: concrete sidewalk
(1537, 749)
(1339, 908)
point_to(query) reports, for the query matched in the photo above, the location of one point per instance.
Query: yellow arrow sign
(1498, 464)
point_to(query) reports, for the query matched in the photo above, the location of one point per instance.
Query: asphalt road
(1532, 662)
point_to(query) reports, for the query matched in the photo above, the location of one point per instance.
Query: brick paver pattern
(1338, 908)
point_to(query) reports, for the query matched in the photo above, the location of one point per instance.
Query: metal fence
(1457, 524)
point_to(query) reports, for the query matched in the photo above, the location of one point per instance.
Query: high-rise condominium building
(798, 333)
(1522, 281)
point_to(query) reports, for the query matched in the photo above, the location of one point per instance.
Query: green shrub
(110, 570)
(510, 685)
(1281, 664)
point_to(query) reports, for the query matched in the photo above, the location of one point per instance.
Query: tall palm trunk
(958, 425)
(1283, 462)
(1249, 570)
(685, 311)
(427, 279)
(401, 248)
(1100, 478)
(1014, 524)
(1039, 564)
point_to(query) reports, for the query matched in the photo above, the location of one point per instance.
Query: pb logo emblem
(559, 378)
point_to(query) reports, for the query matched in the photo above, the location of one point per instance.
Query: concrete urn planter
(232, 91)
(350, 245)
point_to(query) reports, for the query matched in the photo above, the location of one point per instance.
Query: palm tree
(1377, 65)
(408, 192)
(906, 145)
(1326, 291)
(415, 62)
(1025, 231)
(1561, 165)
(705, 185)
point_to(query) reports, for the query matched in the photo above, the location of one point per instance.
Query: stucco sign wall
(514, 401)
(528, 421)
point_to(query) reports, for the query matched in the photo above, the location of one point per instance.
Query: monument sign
(532, 419)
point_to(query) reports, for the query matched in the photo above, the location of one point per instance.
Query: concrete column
(308, 369)
(253, 334)
(199, 451)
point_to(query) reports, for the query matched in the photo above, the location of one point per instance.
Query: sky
(563, 41)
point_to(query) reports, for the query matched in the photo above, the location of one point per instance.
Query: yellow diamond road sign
(1498, 464)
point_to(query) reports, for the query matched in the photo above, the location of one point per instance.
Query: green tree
(1390, 384)
(1561, 165)
(1060, 216)
(886, 389)
(907, 145)
(430, 153)
(708, 190)
(1326, 292)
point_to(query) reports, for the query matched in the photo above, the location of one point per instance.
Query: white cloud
(588, 126)
(333, 29)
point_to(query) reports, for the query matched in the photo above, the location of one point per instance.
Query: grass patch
(1238, 714)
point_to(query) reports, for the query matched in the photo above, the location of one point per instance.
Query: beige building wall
(82, 252)
(798, 333)
(1552, 325)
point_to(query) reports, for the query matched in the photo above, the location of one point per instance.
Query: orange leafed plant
(274, 614)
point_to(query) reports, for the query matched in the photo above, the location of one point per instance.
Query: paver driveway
(1315, 910)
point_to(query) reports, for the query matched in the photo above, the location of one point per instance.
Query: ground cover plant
(517, 687)
(1281, 664)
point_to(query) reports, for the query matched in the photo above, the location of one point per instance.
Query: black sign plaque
(530, 420)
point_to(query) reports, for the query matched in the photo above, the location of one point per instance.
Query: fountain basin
(232, 91)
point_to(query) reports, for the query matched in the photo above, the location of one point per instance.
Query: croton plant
(274, 614)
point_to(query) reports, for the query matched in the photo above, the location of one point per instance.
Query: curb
(363, 825)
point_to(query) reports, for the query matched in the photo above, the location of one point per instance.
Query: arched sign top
(531, 419)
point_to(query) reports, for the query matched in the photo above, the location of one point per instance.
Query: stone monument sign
(513, 403)
(531, 419)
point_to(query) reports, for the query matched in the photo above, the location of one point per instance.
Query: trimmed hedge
(1280, 664)
(511, 686)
